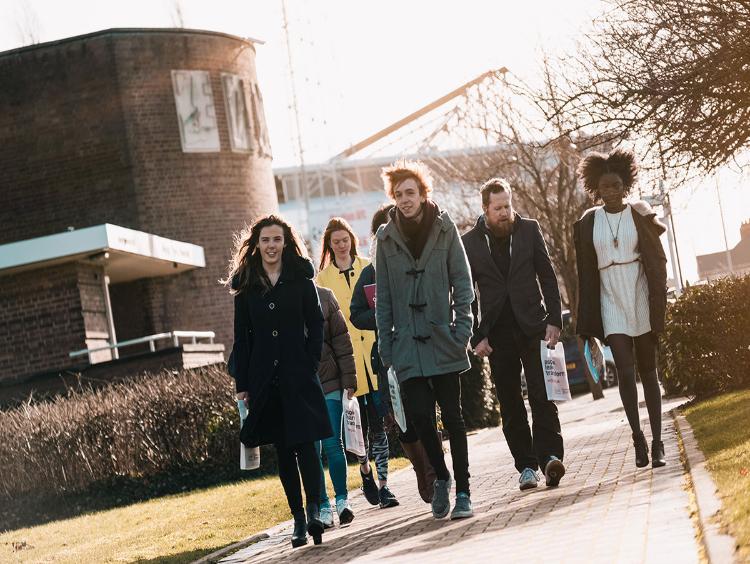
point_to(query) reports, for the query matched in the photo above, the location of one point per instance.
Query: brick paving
(605, 509)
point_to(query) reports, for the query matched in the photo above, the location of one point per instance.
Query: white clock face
(196, 114)
(235, 100)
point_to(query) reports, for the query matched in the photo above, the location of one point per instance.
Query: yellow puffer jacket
(362, 341)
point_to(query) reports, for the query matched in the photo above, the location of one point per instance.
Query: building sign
(196, 114)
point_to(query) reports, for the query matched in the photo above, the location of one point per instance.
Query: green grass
(722, 428)
(175, 528)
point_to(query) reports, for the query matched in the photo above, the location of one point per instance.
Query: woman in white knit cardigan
(622, 286)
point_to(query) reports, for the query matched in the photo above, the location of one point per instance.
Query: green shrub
(130, 430)
(478, 399)
(705, 348)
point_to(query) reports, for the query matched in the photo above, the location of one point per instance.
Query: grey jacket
(423, 307)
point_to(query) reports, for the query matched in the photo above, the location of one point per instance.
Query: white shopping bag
(398, 406)
(249, 457)
(555, 373)
(353, 439)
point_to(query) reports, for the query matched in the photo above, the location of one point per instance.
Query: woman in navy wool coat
(278, 328)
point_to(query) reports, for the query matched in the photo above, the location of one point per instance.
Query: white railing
(175, 336)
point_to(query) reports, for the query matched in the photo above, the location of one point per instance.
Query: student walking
(363, 317)
(338, 377)
(622, 278)
(340, 268)
(517, 306)
(278, 335)
(423, 309)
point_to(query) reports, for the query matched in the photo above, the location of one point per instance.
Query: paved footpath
(605, 509)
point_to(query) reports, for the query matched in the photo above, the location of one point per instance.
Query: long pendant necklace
(615, 234)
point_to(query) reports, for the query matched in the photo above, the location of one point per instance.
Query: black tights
(645, 354)
(293, 461)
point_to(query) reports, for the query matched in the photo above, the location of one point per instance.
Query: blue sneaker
(528, 479)
(326, 516)
(463, 508)
(441, 502)
(553, 471)
(346, 515)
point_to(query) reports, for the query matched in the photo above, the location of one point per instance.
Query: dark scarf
(415, 233)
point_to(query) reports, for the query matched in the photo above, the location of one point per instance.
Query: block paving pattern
(605, 509)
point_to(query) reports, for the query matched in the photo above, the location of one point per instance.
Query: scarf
(415, 233)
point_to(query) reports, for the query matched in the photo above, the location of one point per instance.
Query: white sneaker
(326, 516)
(346, 515)
(528, 479)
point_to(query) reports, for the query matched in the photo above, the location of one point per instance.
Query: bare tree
(28, 28)
(539, 158)
(672, 73)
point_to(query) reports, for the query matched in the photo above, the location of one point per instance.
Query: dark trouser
(419, 395)
(300, 459)
(645, 353)
(511, 348)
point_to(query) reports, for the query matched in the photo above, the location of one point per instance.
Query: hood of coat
(642, 207)
(296, 267)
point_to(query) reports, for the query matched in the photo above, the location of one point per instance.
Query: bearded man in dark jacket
(517, 305)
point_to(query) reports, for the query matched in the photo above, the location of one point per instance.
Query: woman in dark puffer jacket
(337, 375)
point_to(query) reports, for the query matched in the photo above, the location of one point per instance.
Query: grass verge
(172, 529)
(721, 428)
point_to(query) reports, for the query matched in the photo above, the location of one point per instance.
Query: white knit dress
(624, 288)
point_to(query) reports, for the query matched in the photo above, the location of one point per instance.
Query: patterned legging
(372, 424)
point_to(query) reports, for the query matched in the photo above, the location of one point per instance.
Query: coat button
(271, 305)
(275, 333)
(275, 362)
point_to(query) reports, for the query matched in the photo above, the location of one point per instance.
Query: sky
(359, 66)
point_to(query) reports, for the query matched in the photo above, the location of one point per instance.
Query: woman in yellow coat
(340, 267)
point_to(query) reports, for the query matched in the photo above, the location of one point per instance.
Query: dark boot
(314, 524)
(657, 454)
(299, 535)
(641, 449)
(426, 477)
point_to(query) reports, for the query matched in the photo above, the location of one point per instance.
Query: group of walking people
(305, 345)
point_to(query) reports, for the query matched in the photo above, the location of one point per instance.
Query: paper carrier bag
(249, 457)
(353, 439)
(398, 406)
(555, 373)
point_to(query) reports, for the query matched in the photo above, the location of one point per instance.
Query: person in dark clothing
(338, 376)
(510, 265)
(423, 313)
(362, 316)
(278, 336)
(622, 281)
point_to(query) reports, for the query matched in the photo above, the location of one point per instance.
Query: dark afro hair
(596, 165)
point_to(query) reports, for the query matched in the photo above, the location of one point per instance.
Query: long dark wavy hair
(245, 266)
(337, 224)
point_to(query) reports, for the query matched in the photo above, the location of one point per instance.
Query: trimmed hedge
(137, 429)
(705, 349)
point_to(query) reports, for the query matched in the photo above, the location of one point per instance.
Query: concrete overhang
(126, 254)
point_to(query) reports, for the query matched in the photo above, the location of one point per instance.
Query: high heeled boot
(299, 535)
(314, 524)
(641, 449)
(657, 454)
(426, 477)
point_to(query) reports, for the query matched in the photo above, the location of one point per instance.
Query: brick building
(716, 265)
(129, 158)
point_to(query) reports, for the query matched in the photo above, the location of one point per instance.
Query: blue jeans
(334, 449)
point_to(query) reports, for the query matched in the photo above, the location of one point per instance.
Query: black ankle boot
(314, 524)
(641, 449)
(657, 454)
(299, 535)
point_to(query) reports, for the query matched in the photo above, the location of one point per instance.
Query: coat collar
(443, 222)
